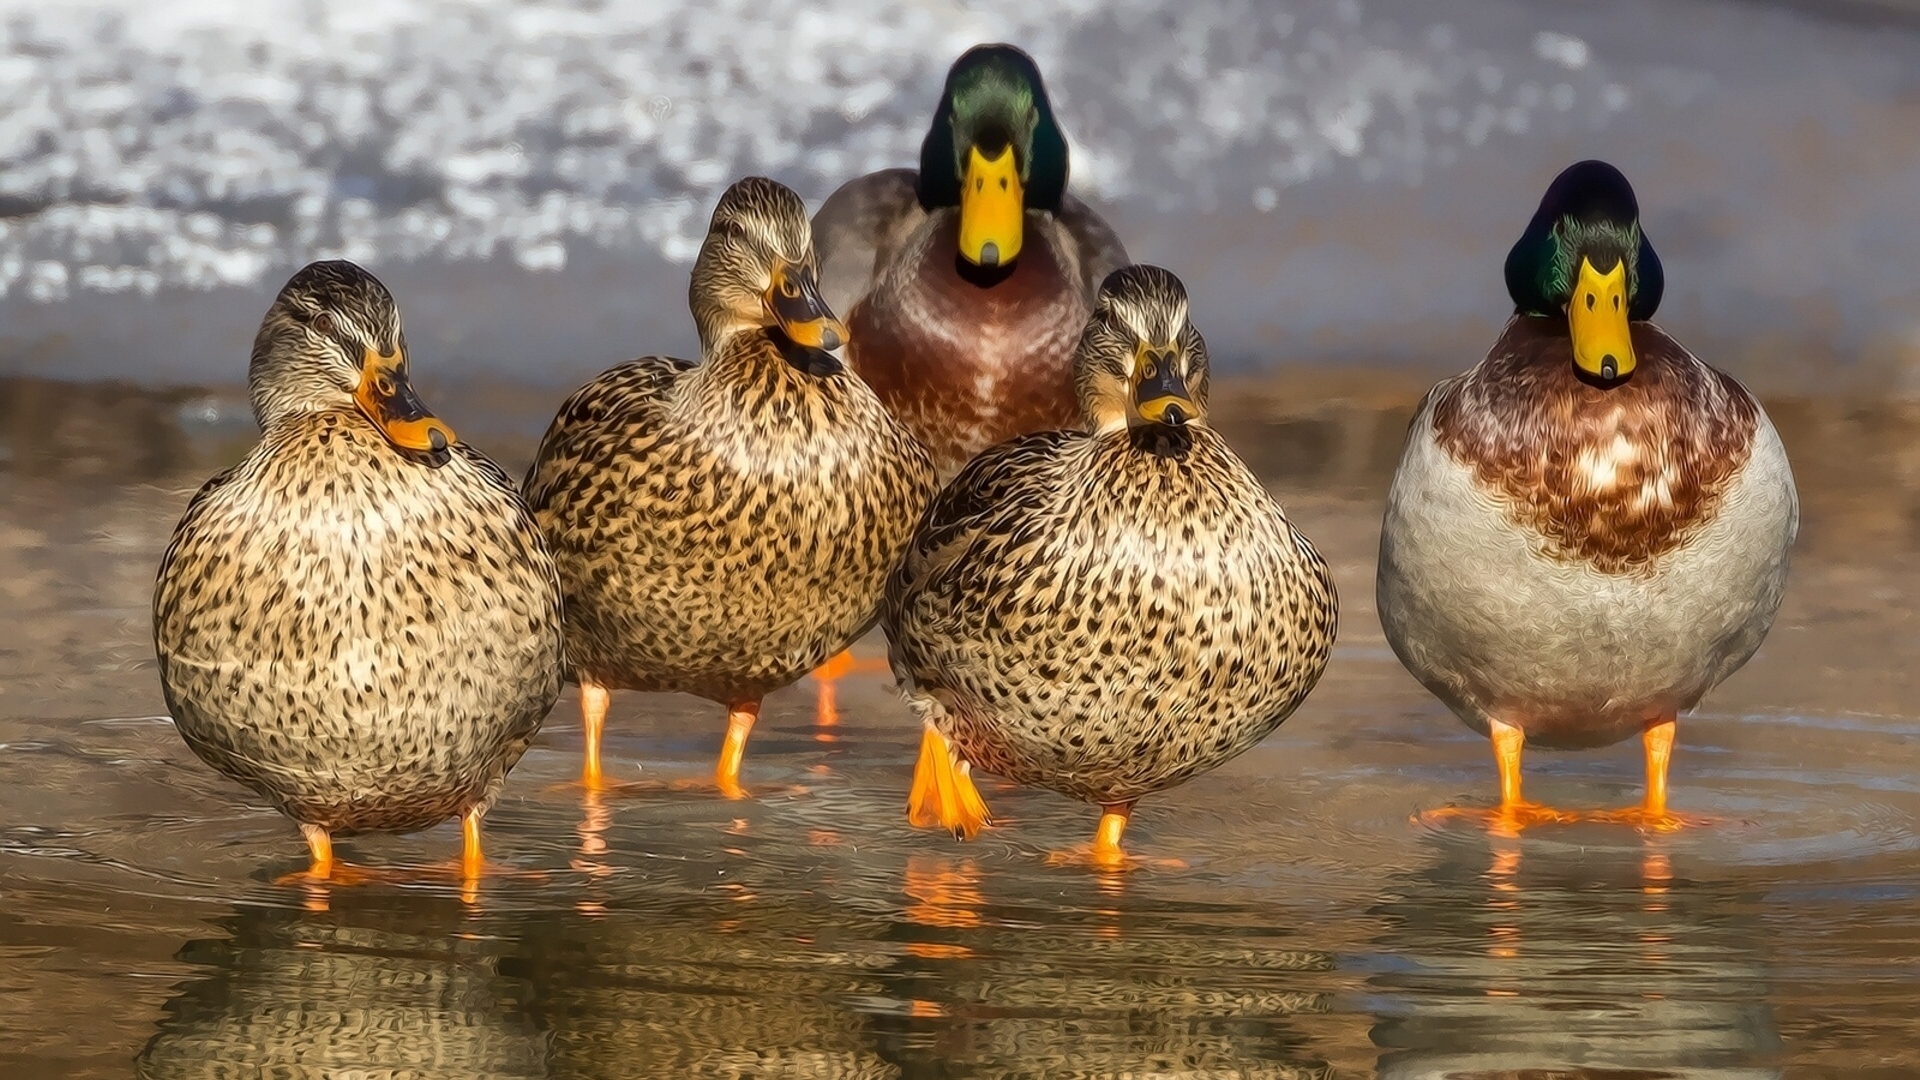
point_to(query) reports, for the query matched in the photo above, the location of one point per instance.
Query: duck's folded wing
(1099, 247)
(619, 400)
(858, 229)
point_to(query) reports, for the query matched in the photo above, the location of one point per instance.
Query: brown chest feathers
(1615, 476)
(966, 362)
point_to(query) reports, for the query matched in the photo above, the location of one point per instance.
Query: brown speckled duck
(723, 527)
(1590, 529)
(359, 621)
(1108, 612)
(967, 282)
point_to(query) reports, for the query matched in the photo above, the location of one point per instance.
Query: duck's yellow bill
(1597, 316)
(993, 208)
(793, 298)
(1159, 392)
(386, 396)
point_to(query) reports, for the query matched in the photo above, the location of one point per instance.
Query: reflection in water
(714, 988)
(1569, 962)
(380, 985)
(1086, 980)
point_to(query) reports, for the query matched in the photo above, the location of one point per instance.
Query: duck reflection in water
(734, 986)
(1108, 983)
(1570, 963)
(382, 984)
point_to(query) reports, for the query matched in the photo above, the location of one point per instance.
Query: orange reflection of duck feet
(1656, 877)
(592, 831)
(945, 892)
(1502, 877)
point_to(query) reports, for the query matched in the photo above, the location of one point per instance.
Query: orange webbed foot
(1507, 819)
(943, 791)
(1651, 819)
(1105, 853)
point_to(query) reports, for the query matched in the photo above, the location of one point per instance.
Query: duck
(723, 527)
(966, 282)
(1110, 610)
(1590, 528)
(359, 621)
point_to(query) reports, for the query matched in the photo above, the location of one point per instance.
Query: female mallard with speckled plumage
(966, 283)
(1108, 612)
(359, 621)
(722, 528)
(1590, 529)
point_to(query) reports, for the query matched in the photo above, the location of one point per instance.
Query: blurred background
(1337, 180)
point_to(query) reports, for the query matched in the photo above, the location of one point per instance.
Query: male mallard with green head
(723, 527)
(358, 621)
(1106, 612)
(966, 283)
(1590, 529)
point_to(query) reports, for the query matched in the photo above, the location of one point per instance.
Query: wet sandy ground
(1315, 931)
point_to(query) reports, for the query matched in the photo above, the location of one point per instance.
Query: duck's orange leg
(1106, 838)
(594, 700)
(827, 701)
(1514, 812)
(1652, 813)
(1106, 853)
(471, 862)
(943, 793)
(726, 774)
(319, 850)
(321, 865)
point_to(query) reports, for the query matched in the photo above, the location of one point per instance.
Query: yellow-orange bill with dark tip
(793, 297)
(1597, 317)
(1159, 392)
(387, 398)
(993, 208)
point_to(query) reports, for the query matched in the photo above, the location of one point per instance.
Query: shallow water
(1315, 929)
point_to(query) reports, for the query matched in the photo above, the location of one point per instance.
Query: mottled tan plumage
(1109, 613)
(721, 528)
(365, 634)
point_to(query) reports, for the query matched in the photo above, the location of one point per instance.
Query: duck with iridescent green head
(965, 283)
(1590, 529)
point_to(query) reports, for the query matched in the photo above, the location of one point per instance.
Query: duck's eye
(323, 323)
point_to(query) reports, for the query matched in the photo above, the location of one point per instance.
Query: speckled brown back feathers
(722, 528)
(1615, 476)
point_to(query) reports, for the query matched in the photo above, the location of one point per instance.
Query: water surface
(1314, 931)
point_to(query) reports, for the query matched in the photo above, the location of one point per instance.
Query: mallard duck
(1589, 529)
(966, 283)
(359, 621)
(1106, 612)
(723, 527)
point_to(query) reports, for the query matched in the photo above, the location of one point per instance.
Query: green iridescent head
(994, 151)
(1585, 257)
